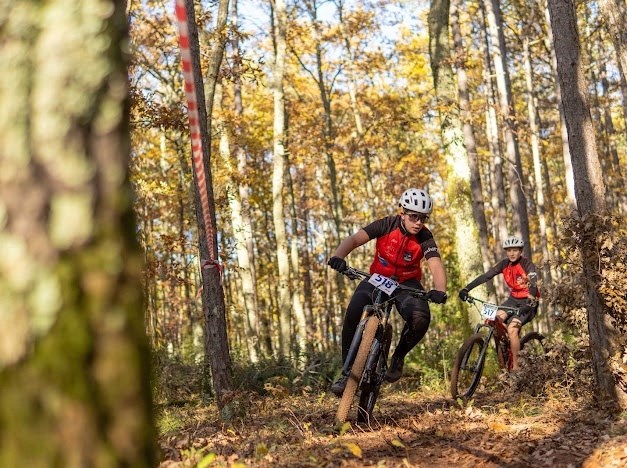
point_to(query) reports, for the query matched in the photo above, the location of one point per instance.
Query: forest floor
(507, 424)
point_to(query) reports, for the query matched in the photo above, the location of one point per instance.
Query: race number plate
(383, 283)
(489, 311)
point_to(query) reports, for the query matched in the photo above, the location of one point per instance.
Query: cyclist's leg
(417, 318)
(514, 325)
(513, 330)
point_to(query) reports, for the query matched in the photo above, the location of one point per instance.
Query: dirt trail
(408, 429)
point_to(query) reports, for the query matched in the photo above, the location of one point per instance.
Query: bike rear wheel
(370, 394)
(468, 367)
(357, 370)
(533, 344)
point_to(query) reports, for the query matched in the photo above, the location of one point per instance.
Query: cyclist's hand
(438, 297)
(463, 294)
(337, 263)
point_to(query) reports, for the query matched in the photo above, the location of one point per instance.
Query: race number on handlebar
(385, 284)
(488, 311)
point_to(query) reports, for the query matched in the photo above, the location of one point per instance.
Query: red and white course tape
(194, 126)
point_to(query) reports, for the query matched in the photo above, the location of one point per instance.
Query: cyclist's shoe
(340, 384)
(395, 370)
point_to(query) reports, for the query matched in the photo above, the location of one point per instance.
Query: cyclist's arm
(350, 243)
(531, 272)
(488, 275)
(438, 272)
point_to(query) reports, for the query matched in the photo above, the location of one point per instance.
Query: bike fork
(373, 359)
(354, 347)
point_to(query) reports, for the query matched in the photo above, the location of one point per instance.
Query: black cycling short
(526, 313)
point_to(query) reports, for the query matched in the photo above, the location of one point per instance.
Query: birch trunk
(278, 177)
(458, 193)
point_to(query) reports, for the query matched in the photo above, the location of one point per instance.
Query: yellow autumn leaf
(353, 448)
(345, 427)
(498, 427)
(398, 443)
(206, 460)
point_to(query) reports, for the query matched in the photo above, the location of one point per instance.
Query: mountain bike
(471, 357)
(366, 361)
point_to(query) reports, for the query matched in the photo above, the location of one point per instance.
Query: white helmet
(513, 241)
(416, 200)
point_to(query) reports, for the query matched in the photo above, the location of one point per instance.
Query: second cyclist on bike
(519, 274)
(403, 241)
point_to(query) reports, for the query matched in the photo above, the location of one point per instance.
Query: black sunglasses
(416, 216)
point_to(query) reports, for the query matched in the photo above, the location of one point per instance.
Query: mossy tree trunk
(74, 380)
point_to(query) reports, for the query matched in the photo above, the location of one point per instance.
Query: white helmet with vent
(513, 242)
(416, 200)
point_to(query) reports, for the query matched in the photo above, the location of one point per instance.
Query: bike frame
(382, 310)
(497, 329)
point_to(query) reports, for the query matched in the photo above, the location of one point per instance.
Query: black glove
(337, 263)
(463, 294)
(438, 297)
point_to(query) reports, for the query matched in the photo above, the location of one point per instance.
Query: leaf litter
(502, 426)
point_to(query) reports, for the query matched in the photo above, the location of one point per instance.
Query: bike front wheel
(357, 369)
(370, 394)
(468, 367)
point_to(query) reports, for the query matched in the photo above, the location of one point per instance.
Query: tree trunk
(589, 189)
(476, 189)
(372, 198)
(507, 111)
(278, 178)
(246, 252)
(458, 194)
(216, 345)
(74, 359)
(568, 164)
(535, 152)
(328, 133)
(614, 13)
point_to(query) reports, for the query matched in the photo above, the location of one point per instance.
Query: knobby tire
(369, 396)
(535, 340)
(471, 353)
(357, 370)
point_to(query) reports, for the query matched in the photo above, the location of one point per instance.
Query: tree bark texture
(278, 178)
(217, 355)
(589, 187)
(510, 128)
(458, 193)
(74, 359)
(476, 189)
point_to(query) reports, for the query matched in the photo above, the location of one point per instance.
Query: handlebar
(472, 299)
(354, 273)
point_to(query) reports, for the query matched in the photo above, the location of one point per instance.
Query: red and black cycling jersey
(515, 274)
(398, 253)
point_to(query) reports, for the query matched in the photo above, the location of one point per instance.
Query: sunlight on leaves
(498, 427)
(345, 427)
(206, 460)
(398, 443)
(353, 448)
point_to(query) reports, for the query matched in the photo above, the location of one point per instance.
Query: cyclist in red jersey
(403, 241)
(519, 274)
